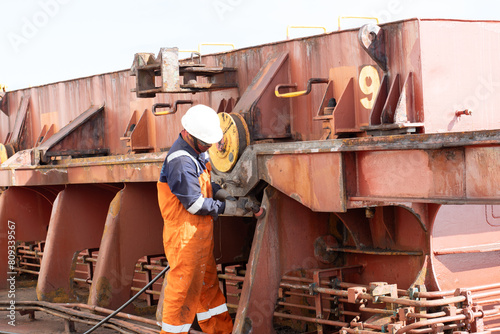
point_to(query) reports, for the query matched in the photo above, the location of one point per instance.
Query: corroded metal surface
(438, 168)
(410, 47)
(133, 228)
(315, 180)
(280, 244)
(115, 169)
(71, 315)
(76, 223)
(26, 212)
(83, 136)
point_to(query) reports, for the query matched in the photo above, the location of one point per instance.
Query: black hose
(128, 302)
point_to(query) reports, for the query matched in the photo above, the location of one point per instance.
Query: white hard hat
(203, 123)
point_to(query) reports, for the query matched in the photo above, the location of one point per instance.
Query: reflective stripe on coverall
(192, 282)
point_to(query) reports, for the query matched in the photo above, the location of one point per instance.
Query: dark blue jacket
(181, 174)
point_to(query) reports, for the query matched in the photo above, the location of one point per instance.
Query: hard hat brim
(212, 138)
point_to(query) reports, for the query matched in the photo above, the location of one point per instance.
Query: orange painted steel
(144, 167)
(276, 250)
(27, 211)
(389, 169)
(468, 256)
(76, 223)
(132, 229)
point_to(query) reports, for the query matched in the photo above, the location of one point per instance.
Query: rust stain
(103, 290)
(57, 296)
(115, 205)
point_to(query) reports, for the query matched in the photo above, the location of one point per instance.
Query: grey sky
(44, 41)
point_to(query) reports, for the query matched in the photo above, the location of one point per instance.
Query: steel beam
(451, 175)
(76, 223)
(283, 241)
(24, 215)
(133, 229)
(113, 169)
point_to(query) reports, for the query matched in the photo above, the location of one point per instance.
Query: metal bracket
(310, 82)
(312, 288)
(82, 137)
(17, 138)
(172, 110)
(139, 135)
(146, 67)
(378, 289)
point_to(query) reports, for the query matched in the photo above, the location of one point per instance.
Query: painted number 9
(369, 83)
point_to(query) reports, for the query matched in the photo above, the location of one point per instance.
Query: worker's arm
(215, 188)
(183, 181)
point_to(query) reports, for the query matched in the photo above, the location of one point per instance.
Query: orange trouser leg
(212, 313)
(187, 247)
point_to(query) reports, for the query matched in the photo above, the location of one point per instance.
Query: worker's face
(202, 146)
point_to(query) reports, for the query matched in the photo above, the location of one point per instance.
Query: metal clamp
(312, 289)
(173, 109)
(412, 293)
(298, 93)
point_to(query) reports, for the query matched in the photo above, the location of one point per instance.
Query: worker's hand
(222, 195)
(236, 207)
(242, 207)
(255, 207)
(252, 206)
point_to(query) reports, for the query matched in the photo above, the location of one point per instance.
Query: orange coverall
(192, 282)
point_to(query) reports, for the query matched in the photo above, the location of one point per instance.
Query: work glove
(243, 207)
(223, 195)
(236, 207)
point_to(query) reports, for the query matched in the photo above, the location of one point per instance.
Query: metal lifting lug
(371, 38)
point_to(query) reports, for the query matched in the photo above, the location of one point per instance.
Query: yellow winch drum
(225, 153)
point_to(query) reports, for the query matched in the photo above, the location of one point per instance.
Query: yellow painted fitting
(3, 154)
(358, 17)
(302, 27)
(6, 151)
(291, 94)
(225, 153)
(166, 112)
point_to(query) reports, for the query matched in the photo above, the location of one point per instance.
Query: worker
(188, 207)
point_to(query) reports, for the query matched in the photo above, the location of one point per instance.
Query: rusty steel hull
(416, 46)
(398, 182)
